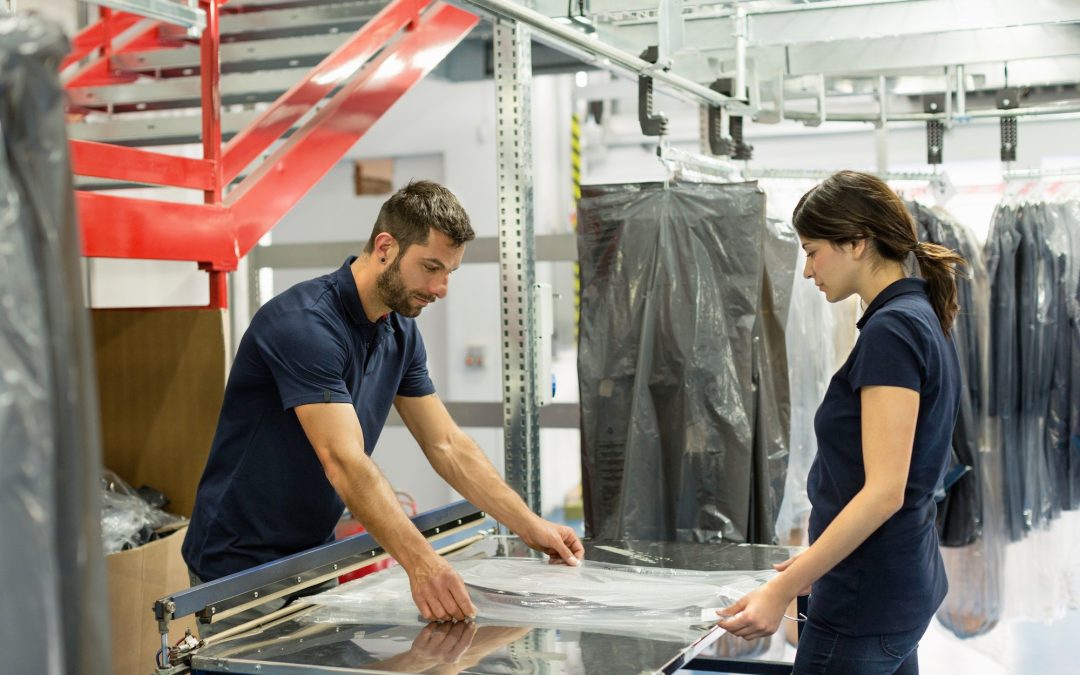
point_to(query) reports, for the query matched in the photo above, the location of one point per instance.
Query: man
(308, 395)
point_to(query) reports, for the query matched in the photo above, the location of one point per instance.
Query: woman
(884, 432)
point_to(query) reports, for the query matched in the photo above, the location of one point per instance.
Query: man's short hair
(414, 210)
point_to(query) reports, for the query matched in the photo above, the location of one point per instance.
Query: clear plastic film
(50, 562)
(672, 278)
(127, 520)
(970, 518)
(960, 510)
(599, 597)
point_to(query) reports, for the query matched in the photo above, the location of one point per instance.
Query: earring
(382, 260)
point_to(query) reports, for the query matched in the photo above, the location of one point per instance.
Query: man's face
(420, 276)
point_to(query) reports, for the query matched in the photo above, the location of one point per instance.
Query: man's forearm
(462, 464)
(371, 500)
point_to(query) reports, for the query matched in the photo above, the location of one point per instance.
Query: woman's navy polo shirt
(263, 494)
(895, 580)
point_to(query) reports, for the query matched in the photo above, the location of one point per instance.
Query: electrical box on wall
(544, 308)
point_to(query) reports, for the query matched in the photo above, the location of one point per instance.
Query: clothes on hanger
(681, 361)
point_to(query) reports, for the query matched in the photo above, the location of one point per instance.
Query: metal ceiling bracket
(733, 146)
(718, 143)
(651, 124)
(935, 129)
(1008, 99)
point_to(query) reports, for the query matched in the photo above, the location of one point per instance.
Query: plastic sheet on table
(598, 597)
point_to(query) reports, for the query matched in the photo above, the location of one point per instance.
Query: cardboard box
(137, 578)
(161, 380)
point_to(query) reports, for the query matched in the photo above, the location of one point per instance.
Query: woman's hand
(757, 614)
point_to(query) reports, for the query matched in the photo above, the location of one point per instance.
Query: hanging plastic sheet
(1004, 407)
(772, 397)
(671, 293)
(970, 518)
(601, 597)
(960, 512)
(51, 563)
(1059, 222)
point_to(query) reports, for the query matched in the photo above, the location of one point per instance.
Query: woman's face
(833, 269)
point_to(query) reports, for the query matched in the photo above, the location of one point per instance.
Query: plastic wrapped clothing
(772, 388)
(960, 512)
(50, 457)
(974, 603)
(601, 597)
(1059, 221)
(671, 303)
(1032, 266)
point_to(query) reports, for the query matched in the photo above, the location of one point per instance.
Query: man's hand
(558, 541)
(444, 643)
(439, 592)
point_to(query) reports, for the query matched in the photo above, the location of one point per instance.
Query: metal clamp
(935, 129)
(651, 124)
(734, 145)
(1008, 99)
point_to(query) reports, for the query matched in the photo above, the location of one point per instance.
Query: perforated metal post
(513, 128)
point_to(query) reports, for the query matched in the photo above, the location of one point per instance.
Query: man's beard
(394, 294)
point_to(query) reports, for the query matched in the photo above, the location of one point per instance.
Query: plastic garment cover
(50, 562)
(772, 389)
(671, 303)
(601, 597)
(970, 518)
(1032, 263)
(960, 512)
(1060, 221)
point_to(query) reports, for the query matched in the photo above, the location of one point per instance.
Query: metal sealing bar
(513, 132)
(297, 571)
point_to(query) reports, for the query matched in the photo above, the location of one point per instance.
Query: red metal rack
(368, 73)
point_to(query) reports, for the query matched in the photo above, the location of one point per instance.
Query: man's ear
(385, 246)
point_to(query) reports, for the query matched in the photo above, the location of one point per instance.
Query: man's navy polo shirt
(895, 580)
(263, 494)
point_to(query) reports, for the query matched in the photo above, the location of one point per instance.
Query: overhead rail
(822, 174)
(1062, 108)
(1029, 174)
(591, 46)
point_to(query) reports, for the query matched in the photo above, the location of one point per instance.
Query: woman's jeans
(823, 651)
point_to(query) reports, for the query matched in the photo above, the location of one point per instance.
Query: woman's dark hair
(414, 210)
(849, 206)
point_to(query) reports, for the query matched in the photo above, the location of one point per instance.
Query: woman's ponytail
(940, 267)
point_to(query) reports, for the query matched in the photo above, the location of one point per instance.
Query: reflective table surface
(300, 643)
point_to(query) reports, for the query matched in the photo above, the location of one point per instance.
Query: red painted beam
(334, 71)
(261, 200)
(93, 36)
(124, 227)
(104, 160)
